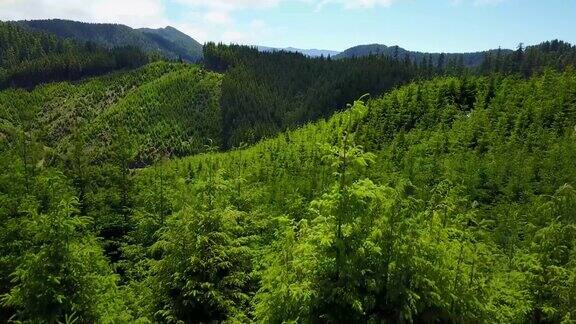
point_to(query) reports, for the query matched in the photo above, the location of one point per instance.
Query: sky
(422, 25)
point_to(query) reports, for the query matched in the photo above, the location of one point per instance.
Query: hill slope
(175, 41)
(30, 58)
(167, 41)
(80, 143)
(175, 105)
(264, 93)
(452, 200)
(449, 200)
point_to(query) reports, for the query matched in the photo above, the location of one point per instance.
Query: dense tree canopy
(30, 58)
(266, 93)
(552, 54)
(443, 200)
(454, 215)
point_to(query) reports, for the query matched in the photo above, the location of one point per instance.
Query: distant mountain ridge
(308, 52)
(181, 40)
(168, 41)
(471, 59)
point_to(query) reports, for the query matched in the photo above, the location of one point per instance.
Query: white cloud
(487, 2)
(230, 5)
(213, 19)
(204, 20)
(478, 3)
(218, 18)
(249, 33)
(235, 36)
(257, 24)
(355, 4)
(136, 13)
(198, 33)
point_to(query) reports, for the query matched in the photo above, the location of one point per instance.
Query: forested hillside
(168, 42)
(162, 109)
(554, 54)
(181, 45)
(266, 93)
(82, 141)
(473, 59)
(448, 200)
(444, 200)
(273, 187)
(30, 58)
(524, 60)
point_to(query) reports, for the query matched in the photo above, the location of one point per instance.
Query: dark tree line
(266, 93)
(31, 58)
(554, 54)
(168, 42)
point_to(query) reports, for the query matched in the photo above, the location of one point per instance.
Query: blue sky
(424, 25)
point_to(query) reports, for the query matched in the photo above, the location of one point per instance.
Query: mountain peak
(169, 41)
